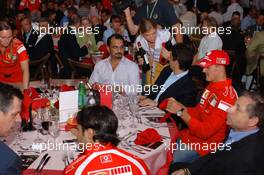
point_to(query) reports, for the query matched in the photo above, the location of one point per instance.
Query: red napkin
(88, 61)
(65, 87)
(130, 57)
(148, 136)
(105, 95)
(57, 104)
(40, 103)
(34, 93)
(27, 100)
(163, 105)
(103, 48)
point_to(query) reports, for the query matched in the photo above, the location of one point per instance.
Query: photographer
(160, 11)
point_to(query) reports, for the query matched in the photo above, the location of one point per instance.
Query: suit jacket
(183, 90)
(70, 49)
(244, 158)
(10, 163)
(30, 43)
(41, 48)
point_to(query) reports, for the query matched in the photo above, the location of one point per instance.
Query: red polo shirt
(207, 125)
(106, 159)
(10, 68)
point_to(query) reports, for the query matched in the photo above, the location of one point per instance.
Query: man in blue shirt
(242, 153)
(10, 108)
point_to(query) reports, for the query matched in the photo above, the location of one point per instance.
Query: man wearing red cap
(206, 121)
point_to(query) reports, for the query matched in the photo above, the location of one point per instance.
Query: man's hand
(165, 53)
(179, 172)
(148, 102)
(140, 61)
(127, 11)
(174, 106)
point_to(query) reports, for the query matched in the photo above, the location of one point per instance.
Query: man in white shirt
(116, 70)
(234, 6)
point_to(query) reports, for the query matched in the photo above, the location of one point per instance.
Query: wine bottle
(167, 45)
(141, 53)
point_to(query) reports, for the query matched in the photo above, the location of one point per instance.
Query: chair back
(41, 67)
(76, 66)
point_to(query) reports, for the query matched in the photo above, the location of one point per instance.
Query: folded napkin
(65, 87)
(163, 105)
(148, 136)
(103, 48)
(88, 61)
(71, 124)
(40, 103)
(27, 100)
(105, 95)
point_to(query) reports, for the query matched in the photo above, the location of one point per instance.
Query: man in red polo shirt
(207, 121)
(13, 58)
(97, 128)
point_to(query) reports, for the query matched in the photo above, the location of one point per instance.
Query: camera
(119, 6)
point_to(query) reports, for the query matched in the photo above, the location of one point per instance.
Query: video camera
(120, 5)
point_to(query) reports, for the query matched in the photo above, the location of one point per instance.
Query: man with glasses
(116, 69)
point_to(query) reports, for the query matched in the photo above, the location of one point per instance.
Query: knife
(44, 164)
(41, 161)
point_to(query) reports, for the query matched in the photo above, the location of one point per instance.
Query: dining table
(64, 149)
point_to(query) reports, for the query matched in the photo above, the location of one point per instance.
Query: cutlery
(41, 162)
(65, 159)
(44, 164)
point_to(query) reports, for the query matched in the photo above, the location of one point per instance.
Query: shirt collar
(180, 74)
(221, 84)
(238, 135)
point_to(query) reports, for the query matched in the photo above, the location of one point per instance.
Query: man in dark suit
(69, 47)
(10, 108)
(30, 35)
(242, 153)
(44, 43)
(174, 81)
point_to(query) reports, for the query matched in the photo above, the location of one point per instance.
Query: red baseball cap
(214, 57)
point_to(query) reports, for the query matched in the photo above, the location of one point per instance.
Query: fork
(65, 159)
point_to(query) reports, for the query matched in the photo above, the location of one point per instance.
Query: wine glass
(43, 87)
(133, 107)
(54, 129)
(37, 124)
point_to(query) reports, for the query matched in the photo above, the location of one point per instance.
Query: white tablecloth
(153, 158)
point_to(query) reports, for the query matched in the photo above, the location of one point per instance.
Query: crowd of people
(183, 47)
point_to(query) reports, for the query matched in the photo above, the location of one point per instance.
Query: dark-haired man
(243, 151)
(10, 108)
(96, 130)
(116, 69)
(174, 80)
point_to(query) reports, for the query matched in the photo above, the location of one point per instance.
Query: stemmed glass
(37, 124)
(133, 107)
(54, 129)
(43, 87)
(120, 104)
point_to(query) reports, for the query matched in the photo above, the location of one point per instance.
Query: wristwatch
(180, 112)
